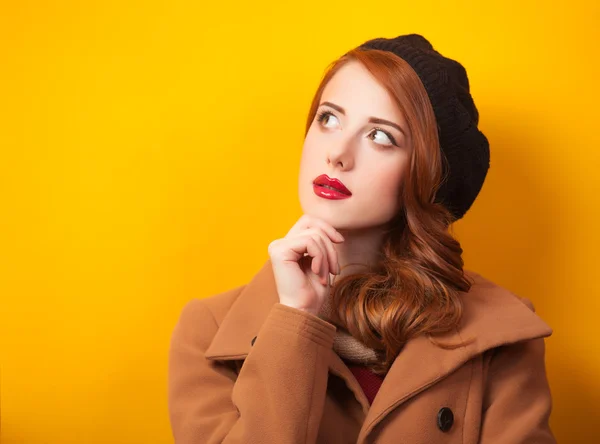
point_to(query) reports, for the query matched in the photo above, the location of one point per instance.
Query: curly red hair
(415, 288)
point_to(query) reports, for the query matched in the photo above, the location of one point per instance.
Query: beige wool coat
(244, 368)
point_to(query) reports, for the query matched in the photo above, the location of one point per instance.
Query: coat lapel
(245, 317)
(492, 316)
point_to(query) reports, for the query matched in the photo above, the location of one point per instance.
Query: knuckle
(323, 231)
(317, 231)
(273, 246)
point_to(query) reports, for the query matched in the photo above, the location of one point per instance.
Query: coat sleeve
(278, 395)
(517, 402)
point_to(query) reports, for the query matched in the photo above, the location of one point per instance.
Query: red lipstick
(325, 186)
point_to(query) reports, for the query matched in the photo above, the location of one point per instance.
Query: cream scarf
(345, 345)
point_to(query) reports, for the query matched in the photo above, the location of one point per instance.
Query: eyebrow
(371, 119)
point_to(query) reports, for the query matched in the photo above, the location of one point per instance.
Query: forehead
(354, 88)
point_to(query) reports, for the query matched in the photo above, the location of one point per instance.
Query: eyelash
(321, 116)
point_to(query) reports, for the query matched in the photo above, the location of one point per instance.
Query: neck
(360, 250)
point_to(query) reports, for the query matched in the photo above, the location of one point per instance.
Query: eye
(385, 138)
(325, 116)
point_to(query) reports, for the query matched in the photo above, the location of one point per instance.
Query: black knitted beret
(464, 147)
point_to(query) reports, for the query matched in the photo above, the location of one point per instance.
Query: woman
(363, 327)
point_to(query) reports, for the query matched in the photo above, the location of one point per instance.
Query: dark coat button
(252, 341)
(445, 419)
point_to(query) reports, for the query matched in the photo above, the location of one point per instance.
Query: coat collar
(492, 316)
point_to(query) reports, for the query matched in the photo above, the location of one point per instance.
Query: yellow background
(149, 155)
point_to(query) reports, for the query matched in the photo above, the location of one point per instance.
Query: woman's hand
(302, 262)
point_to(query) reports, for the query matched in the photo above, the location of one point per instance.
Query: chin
(323, 211)
(340, 220)
(345, 219)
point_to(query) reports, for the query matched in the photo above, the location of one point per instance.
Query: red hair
(415, 288)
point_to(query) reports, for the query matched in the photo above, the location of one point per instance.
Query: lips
(334, 184)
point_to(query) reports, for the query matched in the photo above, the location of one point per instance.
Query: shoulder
(494, 315)
(201, 317)
(486, 293)
(484, 290)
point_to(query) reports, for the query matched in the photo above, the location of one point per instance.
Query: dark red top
(369, 381)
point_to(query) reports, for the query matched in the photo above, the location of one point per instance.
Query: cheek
(387, 181)
(386, 194)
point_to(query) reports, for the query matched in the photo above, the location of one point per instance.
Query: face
(360, 137)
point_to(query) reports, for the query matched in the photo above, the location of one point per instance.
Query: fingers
(315, 249)
(315, 237)
(294, 249)
(332, 258)
(307, 222)
(324, 260)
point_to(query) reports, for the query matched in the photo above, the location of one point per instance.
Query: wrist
(310, 310)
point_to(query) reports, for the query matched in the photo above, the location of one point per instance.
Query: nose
(340, 155)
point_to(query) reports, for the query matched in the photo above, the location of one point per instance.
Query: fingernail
(340, 235)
